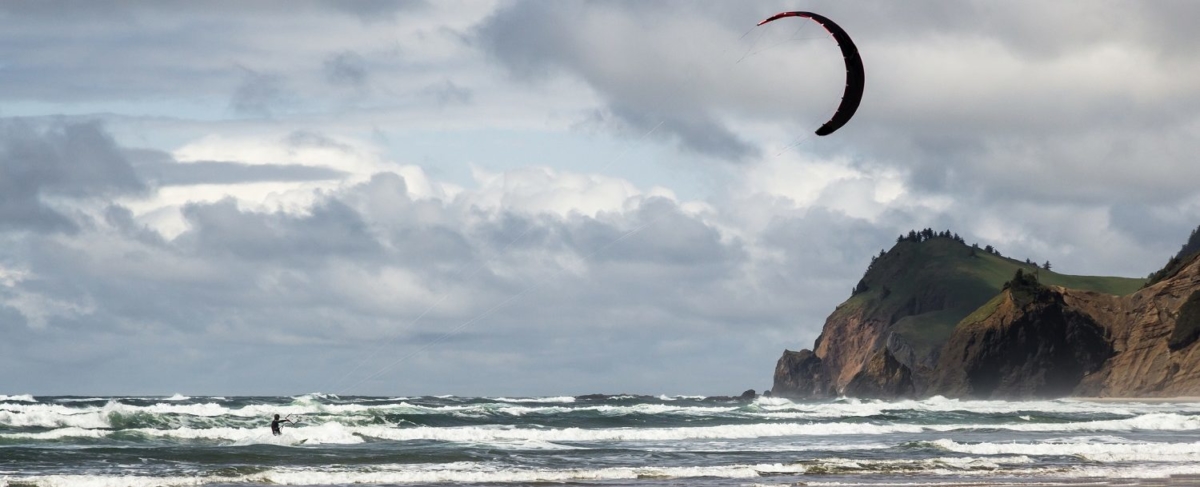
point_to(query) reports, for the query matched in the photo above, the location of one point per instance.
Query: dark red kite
(854, 70)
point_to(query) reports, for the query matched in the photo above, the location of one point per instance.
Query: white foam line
(868, 407)
(1097, 452)
(481, 473)
(558, 399)
(334, 432)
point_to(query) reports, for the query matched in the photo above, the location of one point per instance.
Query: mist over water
(589, 440)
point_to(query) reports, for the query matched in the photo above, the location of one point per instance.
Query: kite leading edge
(855, 77)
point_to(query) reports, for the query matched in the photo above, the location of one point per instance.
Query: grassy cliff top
(925, 287)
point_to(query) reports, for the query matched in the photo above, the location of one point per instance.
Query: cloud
(331, 228)
(519, 197)
(956, 94)
(258, 94)
(65, 161)
(699, 134)
(346, 68)
(447, 92)
(375, 10)
(543, 256)
(160, 169)
(614, 50)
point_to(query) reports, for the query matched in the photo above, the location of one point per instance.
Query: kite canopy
(854, 70)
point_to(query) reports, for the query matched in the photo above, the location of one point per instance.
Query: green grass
(983, 312)
(929, 330)
(997, 270)
(927, 288)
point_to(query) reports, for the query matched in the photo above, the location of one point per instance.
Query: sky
(528, 198)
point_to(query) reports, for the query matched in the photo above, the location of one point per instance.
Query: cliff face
(1027, 340)
(1152, 333)
(802, 374)
(1031, 344)
(906, 304)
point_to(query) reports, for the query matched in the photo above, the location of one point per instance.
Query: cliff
(936, 317)
(1028, 342)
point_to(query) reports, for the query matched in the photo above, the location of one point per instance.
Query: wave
(761, 408)
(557, 399)
(588, 440)
(850, 407)
(52, 415)
(1145, 422)
(492, 434)
(665, 397)
(364, 419)
(18, 398)
(49, 416)
(336, 433)
(60, 433)
(1106, 452)
(1155, 422)
(314, 397)
(485, 473)
(68, 400)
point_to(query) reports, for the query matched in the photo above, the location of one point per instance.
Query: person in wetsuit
(276, 423)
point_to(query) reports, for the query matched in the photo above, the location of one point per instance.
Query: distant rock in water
(747, 396)
(802, 374)
(934, 316)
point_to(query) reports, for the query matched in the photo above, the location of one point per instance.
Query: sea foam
(1093, 451)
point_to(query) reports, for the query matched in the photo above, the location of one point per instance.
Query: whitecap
(556, 399)
(72, 432)
(1102, 452)
(51, 416)
(489, 434)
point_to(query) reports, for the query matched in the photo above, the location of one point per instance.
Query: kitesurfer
(276, 424)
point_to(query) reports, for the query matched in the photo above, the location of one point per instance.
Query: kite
(854, 70)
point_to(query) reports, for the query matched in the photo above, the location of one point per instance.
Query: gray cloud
(63, 160)
(698, 133)
(534, 40)
(1002, 86)
(1061, 132)
(122, 220)
(375, 10)
(449, 93)
(251, 287)
(258, 94)
(331, 229)
(160, 169)
(346, 68)
(1153, 227)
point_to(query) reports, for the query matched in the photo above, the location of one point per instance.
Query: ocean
(594, 440)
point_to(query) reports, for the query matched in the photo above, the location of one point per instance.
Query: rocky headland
(935, 316)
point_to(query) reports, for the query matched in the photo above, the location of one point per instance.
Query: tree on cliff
(1185, 254)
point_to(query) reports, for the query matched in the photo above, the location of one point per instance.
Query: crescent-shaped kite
(854, 70)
